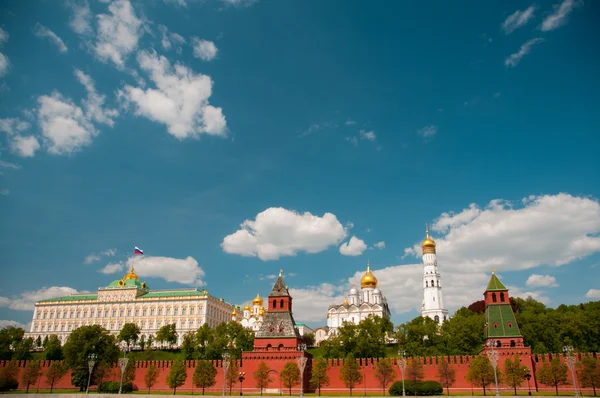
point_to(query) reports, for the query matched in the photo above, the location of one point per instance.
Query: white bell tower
(433, 303)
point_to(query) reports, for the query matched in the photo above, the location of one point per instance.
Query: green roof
(74, 297)
(501, 315)
(174, 293)
(126, 283)
(495, 284)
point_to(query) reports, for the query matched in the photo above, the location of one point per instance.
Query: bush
(8, 383)
(428, 387)
(112, 387)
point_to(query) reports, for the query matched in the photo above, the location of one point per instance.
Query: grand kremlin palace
(128, 300)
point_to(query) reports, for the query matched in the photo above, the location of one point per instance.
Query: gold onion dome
(428, 244)
(234, 313)
(131, 275)
(368, 280)
(261, 311)
(257, 300)
(247, 308)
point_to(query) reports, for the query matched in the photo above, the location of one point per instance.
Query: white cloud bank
(278, 232)
(185, 271)
(180, 99)
(536, 280)
(26, 301)
(593, 294)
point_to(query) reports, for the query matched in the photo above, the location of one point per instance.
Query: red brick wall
(276, 361)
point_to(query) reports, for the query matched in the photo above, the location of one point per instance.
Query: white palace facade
(128, 300)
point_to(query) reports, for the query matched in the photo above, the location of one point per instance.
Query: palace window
(114, 312)
(72, 314)
(144, 312)
(78, 313)
(183, 310)
(137, 312)
(64, 314)
(121, 313)
(129, 312)
(151, 311)
(93, 312)
(62, 328)
(175, 311)
(160, 311)
(168, 311)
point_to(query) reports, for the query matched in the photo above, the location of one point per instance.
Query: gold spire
(280, 272)
(345, 301)
(368, 279)
(428, 244)
(493, 271)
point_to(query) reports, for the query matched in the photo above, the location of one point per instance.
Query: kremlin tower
(433, 303)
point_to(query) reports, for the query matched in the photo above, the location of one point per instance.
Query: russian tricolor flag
(137, 250)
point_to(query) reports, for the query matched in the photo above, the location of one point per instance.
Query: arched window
(274, 303)
(494, 297)
(498, 343)
(281, 303)
(510, 324)
(426, 283)
(495, 325)
(437, 318)
(501, 297)
(512, 343)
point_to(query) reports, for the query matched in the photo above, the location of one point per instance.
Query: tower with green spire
(501, 325)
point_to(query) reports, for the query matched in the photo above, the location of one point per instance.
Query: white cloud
(4, 63)
(559, 16)
(64, 124)
(380, 245)
(111, 268)
(367, 135)
(354, 247)
(94, 257)
(185, 271)
(118, 33)
(94, 102)
(517, 19)
(170, 38)
(536, 280)
(542, 230)
(24, 146)
(278, 232)
(350, 122)
(239, 3)
(267, 277)
(13, 126)
(9, 165)
(593, 294)
(204, 49)
(353, 140)
(181, 3)
(26, 300)
(515, 58)
(428, 131)
(81, 19)
(43, 31)
(6, 323)
(4, 192)
(180, 100)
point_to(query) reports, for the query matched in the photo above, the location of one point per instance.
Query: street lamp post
(123, 364)
(226, 357)
(493, 355)
(91, 362)
(402, 365)
(241, 378)
(528, 377)
(302, 364)
(571, 362)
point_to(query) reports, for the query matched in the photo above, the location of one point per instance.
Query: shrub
(112, 387)
(428, 387)
(8, 383)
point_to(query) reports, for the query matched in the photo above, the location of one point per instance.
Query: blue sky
(232, 138)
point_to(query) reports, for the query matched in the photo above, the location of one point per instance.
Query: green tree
(101, 370)
(130, 332)
(205, 375)
(38, 342)
(415, 372)
(30, 374)
(261, 376)
(232, 374)
(446, 374)
(188, 347)
(514, 372)
(84, 341)
(129, 374)
(8, 377)
(10, 337)
(308, 339)
(151, 377)
(177, 375)
(420, 337)
(588, 370)
(22, 350)
(205, 338)
(233, 338)
(290, 375)
(143, 342)
(553, 373)
(481, 372)
(368, 339)
(167, 334)
(384, 373)
(349, 373)
(55, 372)
(150, 341)
(45, 341)
(319, 374)
(53, 349)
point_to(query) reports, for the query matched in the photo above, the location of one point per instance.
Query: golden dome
(247, 308)
(261, 311)
(345, 302)
(257, 300)
(234, 313)
(368, 280)
(131, 275)
(428, 244)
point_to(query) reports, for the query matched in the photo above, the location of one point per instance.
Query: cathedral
(433, 303)
(251, 317)
(359, 304)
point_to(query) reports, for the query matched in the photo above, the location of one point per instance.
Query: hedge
(112, 387)
(427, 387)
